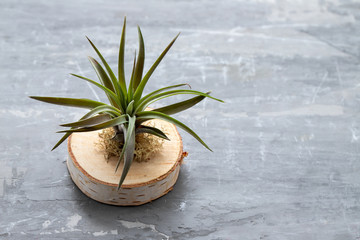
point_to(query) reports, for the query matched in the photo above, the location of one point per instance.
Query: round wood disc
(145, 181)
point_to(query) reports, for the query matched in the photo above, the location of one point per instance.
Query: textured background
(286, 143)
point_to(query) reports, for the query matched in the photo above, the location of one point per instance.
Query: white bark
(146, 181)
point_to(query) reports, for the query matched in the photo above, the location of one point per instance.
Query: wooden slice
(95, 176)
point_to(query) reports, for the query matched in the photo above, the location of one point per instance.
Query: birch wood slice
(146, 181)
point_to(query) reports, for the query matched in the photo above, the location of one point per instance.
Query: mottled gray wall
(286, 143)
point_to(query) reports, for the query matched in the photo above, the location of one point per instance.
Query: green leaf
(121, 69)
(128, 149)
(144, 103)
(70, 102)
(152, 114)
(104, 79)
(103, 108)
(66, 135)
(100, 72)
(108, 69)
(130, 108)
(140, 62)
(157, 91)
(166, 88)
(109, 93)
(88, 122)
(113, 122)
(131, 88)
(143, 82)
(151, 130)
(180, 106)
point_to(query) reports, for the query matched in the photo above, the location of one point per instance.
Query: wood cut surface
(91, 161)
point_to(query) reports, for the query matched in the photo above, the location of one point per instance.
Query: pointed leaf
(121, 69)
(130, 108)
(113, 122)
(88, 122)
(109, 93)
(125, 142)
(131, 84)
(127, 134)
(104, 79)
(158, 91)
(69, 102)
(100, 72)
(128, 149)
(146, 102)
(108, 69)
(140, 62)
(158, 115)
(143, 82)
(66, 135)
(180, 106)
(103, 108)
(151, 130)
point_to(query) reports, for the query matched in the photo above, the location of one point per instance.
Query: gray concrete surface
(286, 143)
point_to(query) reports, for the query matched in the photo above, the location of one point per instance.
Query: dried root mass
(145, 145)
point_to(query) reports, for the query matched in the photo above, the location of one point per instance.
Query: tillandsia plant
(126, 112)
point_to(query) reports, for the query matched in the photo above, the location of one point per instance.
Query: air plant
(126, 112)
